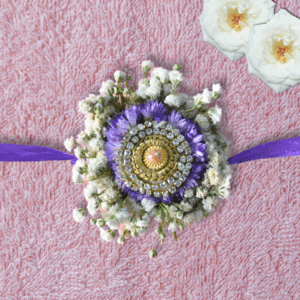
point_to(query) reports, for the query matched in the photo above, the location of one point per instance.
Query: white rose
(175, 77)
(173, 100)
(226, 23)
(273, 51)
(215, 114)
(69, 143)
(107, 85)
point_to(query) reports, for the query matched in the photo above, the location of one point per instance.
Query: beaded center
(154, 156)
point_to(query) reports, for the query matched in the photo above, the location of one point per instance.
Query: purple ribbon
(281, 148)
(10, 152)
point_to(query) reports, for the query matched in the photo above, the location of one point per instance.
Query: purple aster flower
(156, 111)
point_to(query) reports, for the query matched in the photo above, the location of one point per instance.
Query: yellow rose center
(280, 53)
(235, 20)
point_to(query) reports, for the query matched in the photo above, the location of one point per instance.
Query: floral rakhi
(149, 154)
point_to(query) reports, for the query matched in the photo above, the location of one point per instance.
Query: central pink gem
(155, 156)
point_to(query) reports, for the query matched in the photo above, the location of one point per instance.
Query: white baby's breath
(106, 235)
(70, 143)
(215, 114)
(107, 85)
(78, 215)
(175, 77)
(173, 100)
(147, 204)
(162, 74)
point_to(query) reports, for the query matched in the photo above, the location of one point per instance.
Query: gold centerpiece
(155, 157)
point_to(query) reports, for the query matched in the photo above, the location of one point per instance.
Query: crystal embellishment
(183, 159)
(163, 132)
(128, 183)
(130, 145)
(135, 139)
(147, 186)
(142, 134)
(133, 176)
(172, 190)
(170, 136)
(176, 132)
(127, 152)
(163, 185)
(179, 149)
(127, 137)
(133, 131)
(149, 131)
(171, 180)
(141, 126)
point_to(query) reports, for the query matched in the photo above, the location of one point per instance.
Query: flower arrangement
(271, 42)
(149, 153)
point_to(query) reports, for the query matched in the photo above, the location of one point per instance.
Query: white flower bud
(79, 214)
(147, 65)
(152, 253)
(119, 76)
(134, 233)
(79, 152)
(121, 240)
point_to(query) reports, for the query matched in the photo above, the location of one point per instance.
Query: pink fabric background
(52, 53)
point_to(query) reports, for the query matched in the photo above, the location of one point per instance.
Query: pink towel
(53, 53)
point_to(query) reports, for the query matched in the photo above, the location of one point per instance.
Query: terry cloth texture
(52, 54)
